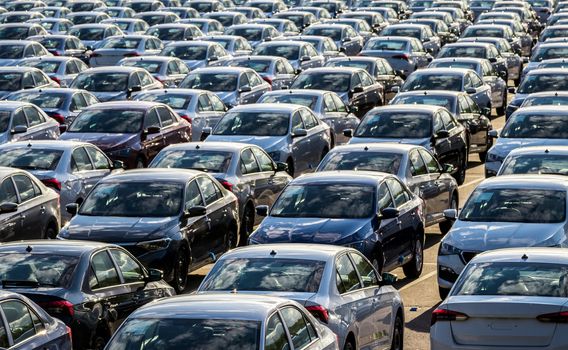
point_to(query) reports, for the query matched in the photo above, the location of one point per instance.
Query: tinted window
(276, 338)
(208, 161)
(25, 187)
(131, 270)
(44, 270)
(98, 158)
(193, 196)
(263, 159)
(534, 164)
(365, 160)
(210, 191)
(536, 126)
(347, 279)
(108, 121)
(105, 272)
(165, 116)
(385, 198)
(3, 336)
(30, 158)
(80, 160)
(366, 271)
(417, 166)
(19, 320)
(296, 326)
(253, 123)
(8, 192)
(248, 162)
(395, 125)
(430, 162)
(398, 192)
(33, 116)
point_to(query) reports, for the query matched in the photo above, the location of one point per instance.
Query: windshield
(11, 51)
(30, 158)
(336, 82)
(333, 201)
(40, 99)
(371, 161)
(175, 101)
(208, 161)
(368, 66)
(167, 33)
(185, 52)
(48, 67)
(438, 81)
(546, 100)
(535, 164)
(265, 274)
(14, 33)
(441, 101)
(462, 51)
(43, 270)
(536, 126)
(388, 45)
(108, 121)
(485, 32)
(210, 82)
(409, 32)
(120, 43)
(151, 66)
(177, 333)
(287, 51)
(251, 34)
(51, 44)
(224, 19)
(395, 125)
(543, 82)
(259, 66)
(304, 100)
(10, 81)
(458, 64)
(533, 206)
(253, 123)
(547, 53)
(88, 33)
(134, 199)
(333, 33)
(101, 82)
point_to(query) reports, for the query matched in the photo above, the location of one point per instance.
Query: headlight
(155, 245)
(447, 249)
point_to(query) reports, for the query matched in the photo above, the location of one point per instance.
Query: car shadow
(422, 323)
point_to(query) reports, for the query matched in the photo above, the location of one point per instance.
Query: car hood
(118, 229)
(268, 143)
(482, 236)
(102, 140)
(307, 230)
(421, 142)
(109, 96)
(506, 145)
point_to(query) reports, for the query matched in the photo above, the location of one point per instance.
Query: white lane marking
(413, 283)
(471, 183)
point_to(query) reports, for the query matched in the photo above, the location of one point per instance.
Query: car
(25, 121)
(227, 18)
(25, 324)
(269, 7)
(553, 63)
(464, 109)
(493, 29)
(403, 54)
(169, 71)
(12, 51)
(327, 106)
(438, 27)
(536, 160)
(134, 131)
(350, 208)
(520, 40)
(184, 12)
(422, 32)
(206, 6)
(144, 5)
(324, 296)
(345, 36)
(18, 78)
(128, 25)
(254, 33)
(250, 12)
(288, 133)
(557, 98)
(111, 50)
(243, 169)
(355, 86)
(476, 50)
(415, 166)
(233, 44)
(321, 13)
(200, 108)
(157, 17)
(87, 17)
(119, 12)
(538, 80)
(208, 26)
(301, 55)
(325, 46)
(19, 16)
(546, 51)
(432, 127)
(334, 7)
(20, 31)
(359, 25)
(171, 32)
(61, 104)
(91, 35)
(54, 25)
(175, 220)
(528, 126)
(63, 45)
(284, 26)
(375, 20)
(86, 5)
(233, 85)
(53, 11)
(529, 210)
(196, 54)
(301, 19)
(60, 69)
(277, 71)
(454, 26)
(115, 83)
(270, 321)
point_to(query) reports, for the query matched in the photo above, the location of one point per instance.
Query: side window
(165, 116)
(173, 68)
(244, 81)
(296, 323)
(447, 120)
(19, 118)
(29, 51)
(347, 280)
(366, 79)
(33, 116)
(192, 196)
(417, 166)
(8, 192)
(203, 104)
(431, 163)
(182, 67)
(248, 162)
(40, 79)
(28, 81)
(398, 192)
(71, 68)
(99, 159)
(255, 79)
(25, 187)
(385, 198)
(210, 191)
(467, 81)
(463, 105)
(341, 107)
(476, 81)
(355, 80)
(131, 270)
(289, 68)
(105, 274)
(151, 119)
(310, 121)
(91, 100)
(276, 338)
(297, 121)
(77, 102)
(366, 271)
(134, 80)
(80, 160)
(149, 45)
(3, 337)
(328, 104)
(263, 159)
(218, 105)
(146, 78)
(279, 68)
(472, 105)
(311, 51)
(19, 320)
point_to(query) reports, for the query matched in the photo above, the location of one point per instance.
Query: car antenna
(547, 151)
(29, 249)
(366, 148)
(197, 147)
(29, 143)
(524, 257)
(273, 252)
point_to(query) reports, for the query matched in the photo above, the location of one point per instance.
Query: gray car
(235, 45)
(348, 295)
(203, 109)
(171, 32)
(54, 25)
(157, 17)
(93, 34)
(169, 71)
(245, 170)
(28, 209)
(196, 54)
(476, 50)
(113, 49)
(325, 46)
(326, 105)
(345, 37)
(61, 69)
(227, 18)
(12, 51)
(536, 160)
(24, 121)
(87, 17)
(284, 26)
(207, 26)
(18, 78)
(277, 71)
(288, 133)
(422, 32)
(256, 34)
(210, 321)
(63, 45)
(70, 168)
(301, 55)
(129, 25)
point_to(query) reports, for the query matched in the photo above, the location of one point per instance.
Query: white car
(509, 298)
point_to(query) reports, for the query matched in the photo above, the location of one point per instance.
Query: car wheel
(290, 163)
(443, 292)
(231, 240)
(413, 268)
(446, 225)
(50, 232)
(397, 334)
(181, 270)
(501, 110)
(247, 225)
(462, 161)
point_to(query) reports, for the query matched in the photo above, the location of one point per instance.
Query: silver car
(301, 55)
(115, 48)
(25, 121)
(92, 35)
(169, 71)
(223, 321)
(536, 160)
(196, 54)
(61, 69)
(12, 51)
(129, 25)
(338, 285)
(70, 168)
(171, 32)
(233, 44)
(276, 71)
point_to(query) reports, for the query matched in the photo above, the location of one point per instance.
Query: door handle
(42, 209)
(22, 217)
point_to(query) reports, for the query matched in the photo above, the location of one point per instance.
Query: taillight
(54, 52)
(58, 307)
(319, 312)
(56, 80)
(59, 117)
(556, 317)
(70, 334)
(185, 117)
(402, 57)
(447, 315)
(227, 185)
(52, 183)
(132, 54)
(267, 79)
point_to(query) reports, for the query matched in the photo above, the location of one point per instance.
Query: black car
(92, 287)
(175, 220)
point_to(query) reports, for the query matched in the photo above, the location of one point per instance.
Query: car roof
(287, 250)
(393, 38)
(192, 43)
(54, 90)
(447, 71)
(407, 25)
(5, 171)
(17, 42)
(222, 70)
(259, 57)
(124, 105)
(469, 44)
(18, 69)
(537, 150)
(342, 176)
(163, 59)
(48, 58)
(153, 175)
(45, 144)
(269, 107)
(64, 247)
(548, 71)
(526, 255)
(548, 94)
(165, 91)
(391, 147)
(540, 181)
(356, 59)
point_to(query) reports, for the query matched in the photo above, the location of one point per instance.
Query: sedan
(28, 208)
(536, 160)
(223, 322)
(288, 133)
(432, 127)
(301, 55)
(522, 290)
(174, 220)
(243, 169)
(63, 45)
(504, 212)
(207, 26)
(20, 31)
(335, 284)
(132, 132)
(169, 71)
(477, 49)
(21, 121)
(60, 69)
(422, 32)
(89, 286)
(115, 48)
(277, 71)
(350, 208)
(254, 33)
(324, 45)
(196, 54)
(18, 78)
(301, 19)
(345, 36)
(12, 51)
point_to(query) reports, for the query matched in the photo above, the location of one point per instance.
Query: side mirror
(118, 164)
(493, 134)
(262, 210)
(213, 59)
(8, 207)
(305, 58)
(72, 208)
(389, 213)
(154, 275)
(358, 89)
(470, 90)
(245, 88)
(388, 279)
(152, 130)
(448, 168)
(348, 133)
(19, 129)
(492, 60)
(512, 90)
(136, 88)
(298, 71)
(395, 89)
(442, 134)
(451, 214)
(525, 60)
(299, 133)
(205, 132)
(280, 166)
(195, 211)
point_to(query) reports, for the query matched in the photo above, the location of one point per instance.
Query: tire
(290, 163)
(181, 270)
(398, 334)
(446, 225)
(349, 345)
(140, 163)
(231, 240)
(413, 268)
(50, 232)
(501, 110)
(443, 292)
(460, 176)
(247, 225)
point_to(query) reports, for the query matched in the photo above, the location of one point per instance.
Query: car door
(317, 138)
(357, 99)
(196, 229)
(270, 182)
(476, 93)
(456, 137)
(152, 143)
(31, 206)
(441, 145)
(24, 328)
(77, 104)
(301, 330)
(217, 212)
(10, 223)
(479, 123)
(300, 145)
(174, 74)
(349, 119)
(246, 97)
(406, 217)
(421, 184)
(441, 187)
(388, 228)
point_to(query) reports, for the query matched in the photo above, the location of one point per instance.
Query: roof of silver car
(524, 255)
(525, 182)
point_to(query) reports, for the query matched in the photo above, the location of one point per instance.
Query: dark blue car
(372, 212)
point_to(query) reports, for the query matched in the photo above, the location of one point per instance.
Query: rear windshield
(208, 161)
(30, 158)
(260, 274)
(36, 270)
(40, 99)
(395, 125)
(390, 45)
(535, 164)
(367, 161)
(536, 126)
